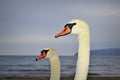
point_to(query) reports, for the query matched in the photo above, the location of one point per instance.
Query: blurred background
(27, 26)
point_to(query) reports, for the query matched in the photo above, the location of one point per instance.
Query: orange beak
(66, 31)
(42, 55)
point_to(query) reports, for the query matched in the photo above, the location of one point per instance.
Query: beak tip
(36, 59)
(56, 36)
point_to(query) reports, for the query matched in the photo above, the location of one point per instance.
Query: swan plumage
(81, 28)
(51, 54)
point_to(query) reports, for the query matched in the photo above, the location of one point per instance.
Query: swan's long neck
(55, 67)
(83, 56)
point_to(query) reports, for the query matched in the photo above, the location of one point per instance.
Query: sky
(27, 26)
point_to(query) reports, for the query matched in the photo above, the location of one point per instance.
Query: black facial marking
(44, 51)
(70, 25)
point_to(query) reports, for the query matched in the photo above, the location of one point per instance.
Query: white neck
(55, 67)
(83, 56)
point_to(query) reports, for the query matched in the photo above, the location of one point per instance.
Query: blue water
(26, 66)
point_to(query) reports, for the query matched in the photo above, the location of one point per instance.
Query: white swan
(54, 62)
(77, 26)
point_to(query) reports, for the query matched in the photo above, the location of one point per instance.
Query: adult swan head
(79, 27)
(51, 54)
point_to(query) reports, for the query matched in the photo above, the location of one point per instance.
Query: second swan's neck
(55, 67)
(83, 56)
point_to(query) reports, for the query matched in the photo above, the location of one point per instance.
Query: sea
(26, 66)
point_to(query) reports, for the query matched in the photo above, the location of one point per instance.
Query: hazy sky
(27, 26)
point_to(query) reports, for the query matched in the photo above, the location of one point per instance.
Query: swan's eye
(74, 23)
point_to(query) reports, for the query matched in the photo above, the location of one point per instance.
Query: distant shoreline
(62, 78)
(104, 51)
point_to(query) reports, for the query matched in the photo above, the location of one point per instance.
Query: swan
(51, 54)
(79, 27)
